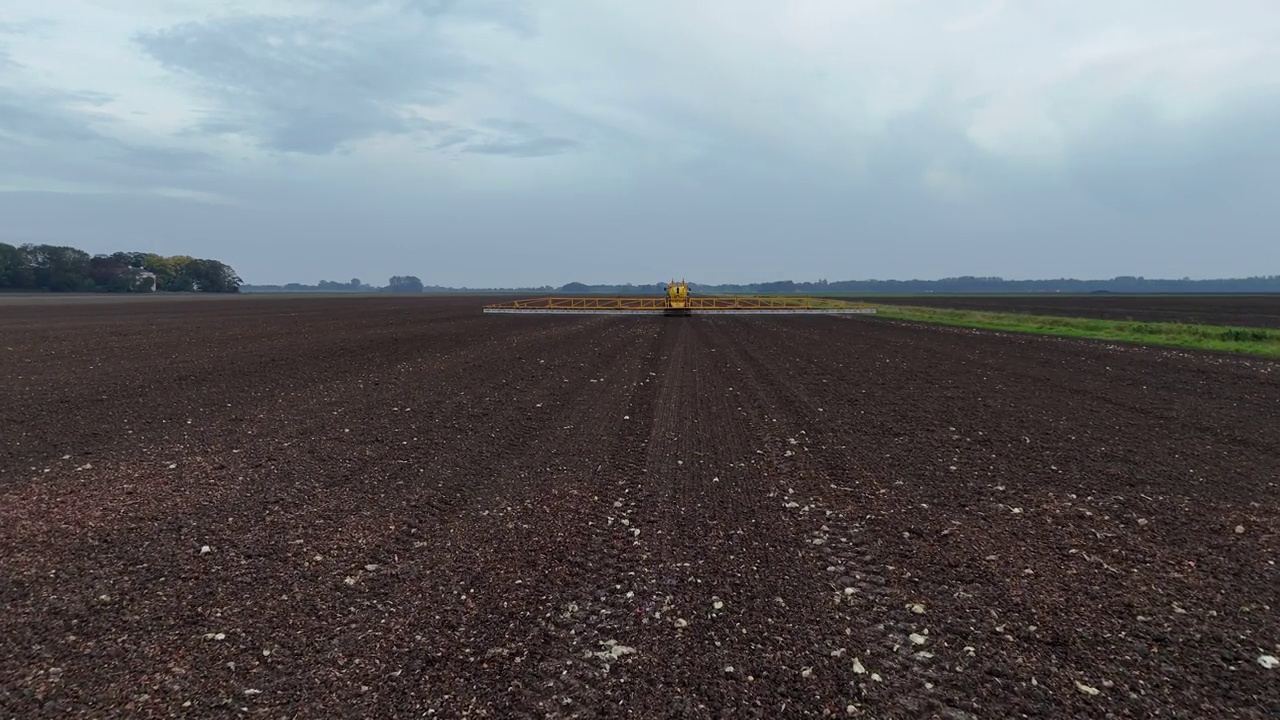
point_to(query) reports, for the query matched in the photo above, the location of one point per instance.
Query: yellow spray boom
(677, 301)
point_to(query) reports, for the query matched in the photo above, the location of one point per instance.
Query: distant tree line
(58, 268)
(956, 285)
(397, 284)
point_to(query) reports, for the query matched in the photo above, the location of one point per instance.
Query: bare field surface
(12, 299)
(399, 507)
(1243, 310)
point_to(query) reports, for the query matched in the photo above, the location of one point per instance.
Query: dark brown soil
(1244, 310)
(398, 507)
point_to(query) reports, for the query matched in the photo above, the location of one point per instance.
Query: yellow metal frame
(676, 301)
(731, 302)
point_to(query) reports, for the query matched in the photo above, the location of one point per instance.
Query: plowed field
(1244, 310)
(399, 507)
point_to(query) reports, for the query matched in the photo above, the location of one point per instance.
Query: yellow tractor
(678, 298)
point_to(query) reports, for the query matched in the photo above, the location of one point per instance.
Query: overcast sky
(501, 142)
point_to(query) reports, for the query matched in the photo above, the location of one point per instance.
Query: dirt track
(411, 507)
(1245, 310)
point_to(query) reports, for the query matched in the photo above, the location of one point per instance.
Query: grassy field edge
(1261, 342)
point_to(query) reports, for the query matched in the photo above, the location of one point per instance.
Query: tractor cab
(677, 300)
(677, 294)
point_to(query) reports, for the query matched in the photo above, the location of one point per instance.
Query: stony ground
(400, 507)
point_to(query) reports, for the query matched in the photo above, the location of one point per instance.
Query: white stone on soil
(1268, 661)
(611, 652)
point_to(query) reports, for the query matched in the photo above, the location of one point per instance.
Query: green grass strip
(1246, 340)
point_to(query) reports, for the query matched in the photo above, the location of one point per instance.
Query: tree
(15, 269)
(112, 273)
(404, 284)
(211, 276)
(59, 268)
(165, 269)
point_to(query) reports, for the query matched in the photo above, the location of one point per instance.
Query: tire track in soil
(562, 572)
(598, 593)
(499, 539)
(857, 583)
(715, 485)
(841, 489)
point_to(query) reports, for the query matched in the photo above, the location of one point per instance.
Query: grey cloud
(511, 15)
(163, 159)
(510, 126)
(534, 147)
(51, 134)
(48, 115)
(425, 125)
(28, 26)
(308, 86)
(499, 136)
(915, 141)
(454, 138)
(214, 125)
(1134, 162)
(1130, 161)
